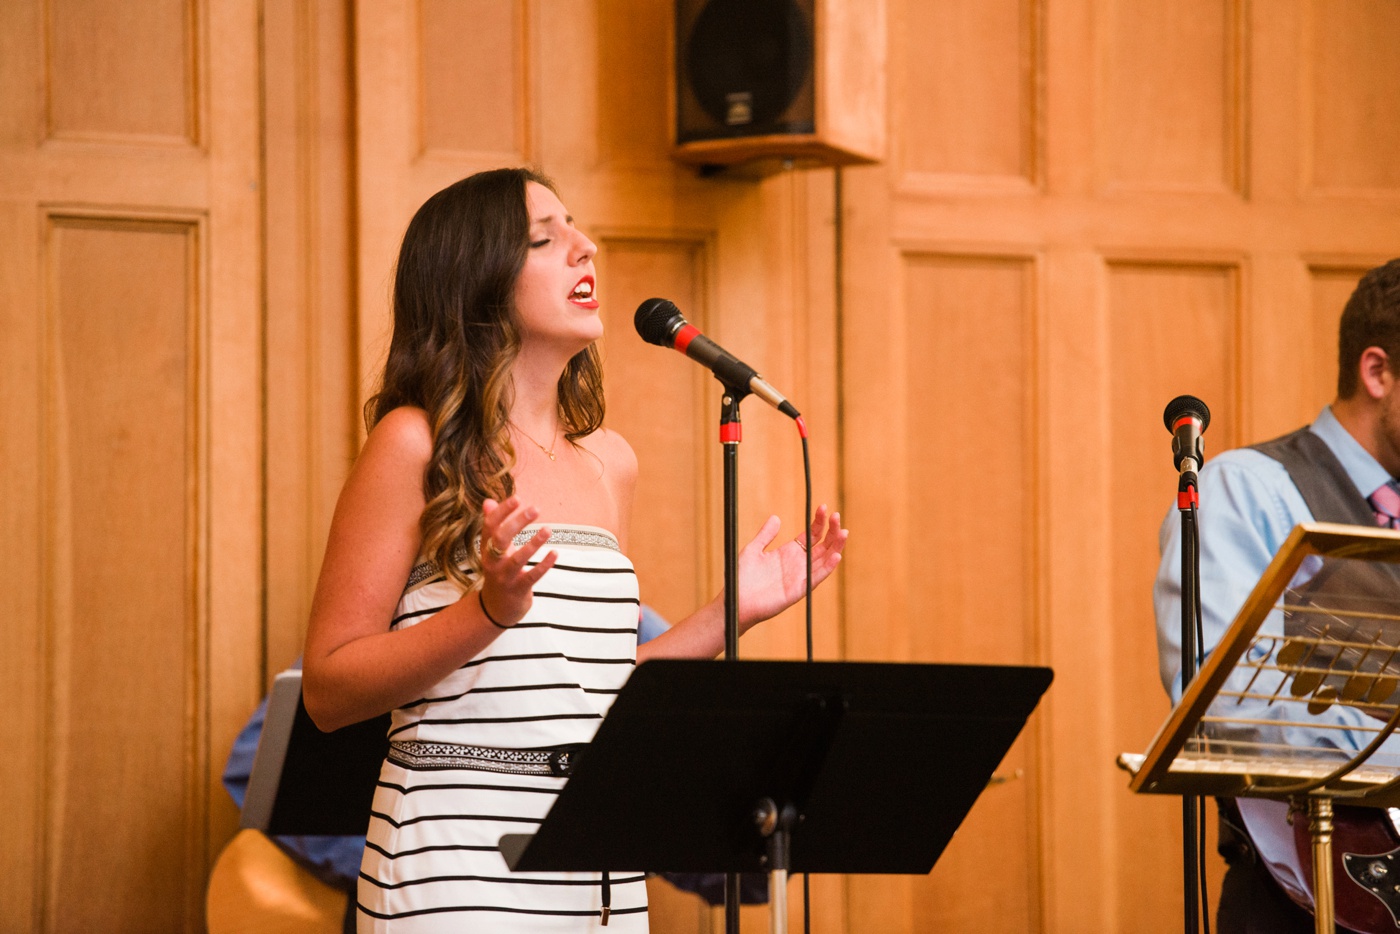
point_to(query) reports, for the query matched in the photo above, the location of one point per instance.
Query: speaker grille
(745, 68)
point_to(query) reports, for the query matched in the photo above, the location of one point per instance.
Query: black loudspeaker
(756, 79)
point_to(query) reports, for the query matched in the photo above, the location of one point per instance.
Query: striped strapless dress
(465, 760)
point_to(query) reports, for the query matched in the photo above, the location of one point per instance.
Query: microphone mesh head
(657, 319)
(1186, 405)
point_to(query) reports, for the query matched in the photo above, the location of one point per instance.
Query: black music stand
(306, 782)
(872, 767)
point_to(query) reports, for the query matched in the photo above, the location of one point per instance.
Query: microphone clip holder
(1187, 495)
(731, 430)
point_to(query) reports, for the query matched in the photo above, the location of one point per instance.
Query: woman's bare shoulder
(402, 435)
(616, 454)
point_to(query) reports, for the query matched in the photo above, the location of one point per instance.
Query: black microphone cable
(1194, 556)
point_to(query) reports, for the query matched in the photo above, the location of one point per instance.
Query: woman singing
(476, 582)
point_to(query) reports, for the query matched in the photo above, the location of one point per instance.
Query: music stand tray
(306, 782)
(881, 763)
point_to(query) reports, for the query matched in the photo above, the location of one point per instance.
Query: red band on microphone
(733, 432)
(1183, 420)
(1187, 498)
(685, 335)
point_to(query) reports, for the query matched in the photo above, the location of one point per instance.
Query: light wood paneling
(656, 402)
(1173, 330)
(1173, 101)
(949, 439)
(313, 417)
(632, 106)
(123, 572)
(1331, 287)
(1071, 186)
(1355, 83)
(471, 78)
(407, 146)
(971, 107)
(976, 514)
(131, 214)
(23, 663)
(973, 545)
(122, 72)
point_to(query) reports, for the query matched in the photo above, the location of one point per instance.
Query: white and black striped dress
(431, 862)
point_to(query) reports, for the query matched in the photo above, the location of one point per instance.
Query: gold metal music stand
(1299, 700)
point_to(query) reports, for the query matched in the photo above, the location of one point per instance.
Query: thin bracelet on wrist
(487, 613)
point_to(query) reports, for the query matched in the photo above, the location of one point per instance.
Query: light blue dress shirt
(1248, 506)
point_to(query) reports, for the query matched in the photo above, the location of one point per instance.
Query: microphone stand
(730, 434)
(1186, 501)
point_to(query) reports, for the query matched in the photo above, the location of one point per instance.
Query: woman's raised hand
(507, 584)
(772, 581)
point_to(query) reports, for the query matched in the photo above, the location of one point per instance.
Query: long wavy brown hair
(455, 338)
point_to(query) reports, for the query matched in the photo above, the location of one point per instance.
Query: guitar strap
(1320, 478)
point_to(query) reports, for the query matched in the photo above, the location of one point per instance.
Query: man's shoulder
(1244, 463)
(1247, 486)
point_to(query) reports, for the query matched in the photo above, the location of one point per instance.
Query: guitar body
(255, 888)
(1365, 860)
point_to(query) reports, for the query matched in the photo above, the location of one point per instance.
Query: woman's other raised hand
(771, 580)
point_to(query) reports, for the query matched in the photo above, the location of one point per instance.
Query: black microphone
(660, 322)
(1186, 418)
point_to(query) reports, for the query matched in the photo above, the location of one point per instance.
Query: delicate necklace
(547, 450)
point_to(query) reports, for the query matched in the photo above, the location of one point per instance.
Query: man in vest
(1338, 469)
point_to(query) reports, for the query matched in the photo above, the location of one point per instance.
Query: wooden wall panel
(1355, 83)
(125, 755)
(1028, 136)
(313, 417)
(632, 114)
(1330, 287)
(472, 77)
(973, 542)
(122, 71)
(965, 99)
(131, 213)
(952, 573)
(22, 663)
(974, 493)
(656, 402)
(1172, 329)
(1172, 115)
(439, 87)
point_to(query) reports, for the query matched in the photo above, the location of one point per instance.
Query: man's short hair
(1370, 319)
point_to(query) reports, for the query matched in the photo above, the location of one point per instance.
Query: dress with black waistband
(478, 756)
